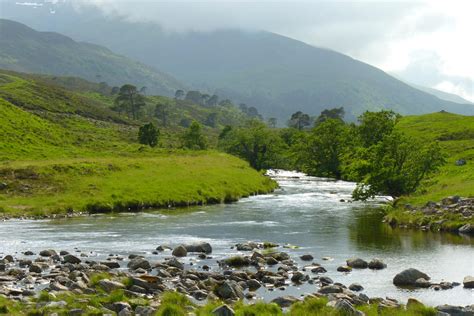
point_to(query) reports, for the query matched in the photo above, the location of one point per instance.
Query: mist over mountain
(277, 74)
(26, 50)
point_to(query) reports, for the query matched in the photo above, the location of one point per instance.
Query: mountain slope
(443, 95)
(26, 50)
(276, 74)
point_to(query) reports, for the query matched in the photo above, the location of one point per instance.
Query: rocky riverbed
(254, 267)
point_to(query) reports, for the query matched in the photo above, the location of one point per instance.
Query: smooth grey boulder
(408, 277)
(357, 263)
(377, 264)
(180, 251)
(202, 247)
(71, 259)
(109, 286)
(137, 263)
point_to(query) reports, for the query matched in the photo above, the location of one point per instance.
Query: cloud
(427, 42)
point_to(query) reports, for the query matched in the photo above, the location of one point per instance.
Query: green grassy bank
(126, 183)
(63, 151)
(455, 134)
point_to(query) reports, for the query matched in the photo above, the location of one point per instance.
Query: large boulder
(71, 259)
(377, 264)
(344, 307)
(468, 282)
(110, 286)
(409, 277)
(230, 290)
(203, 247)
(357, 263)
(467, 229)
(223, 310)
(137, 263)
(180, 251)
(285, 301)
(48, 253)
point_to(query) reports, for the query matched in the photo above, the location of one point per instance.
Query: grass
(175, 304)
(455, 134)
(64, 151)
(127, 183)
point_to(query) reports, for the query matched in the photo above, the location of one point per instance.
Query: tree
(204, 98)
(396, 166)
(252, 112)
(143, 90)
(162, 113)
(185, 122)
(115, 90)
(148, 135)
(321, 152)
(335, 113)
(193, 137)
(179, 94)
(226, 102)
(213, 100)
(255, 143)
(299, 120)
(194, 96)
(272, 122)
(129, 100)
(374, 126)
(211, 120)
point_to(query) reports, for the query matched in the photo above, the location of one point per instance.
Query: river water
(306, 212)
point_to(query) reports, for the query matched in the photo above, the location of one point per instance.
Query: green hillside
(26, 50)
(455, 134)
(51, 136)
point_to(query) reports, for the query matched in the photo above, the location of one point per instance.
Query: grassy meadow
(63, 151)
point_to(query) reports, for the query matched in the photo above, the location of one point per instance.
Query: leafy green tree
(129, 100)
(335, 113)
(143, 90)
(299, 120)
(396, 166)
(272, 122)
(185, 122)
(194, 96)
(148, 135)
(374, 126)
(204, 98)
(321, 152)
(255, 143)
(213, 100)
(179, 94)
(193, 137)
(162, 113)
(211, 120)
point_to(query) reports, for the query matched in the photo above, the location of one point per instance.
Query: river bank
(42, 189)
(452, 214)
(75, 284)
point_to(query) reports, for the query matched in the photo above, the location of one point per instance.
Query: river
(306, 212)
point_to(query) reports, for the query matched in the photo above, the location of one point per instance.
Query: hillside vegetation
(455, 134)
(63, 151)
(26, 50)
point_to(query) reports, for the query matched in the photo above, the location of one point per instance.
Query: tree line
(372, 152)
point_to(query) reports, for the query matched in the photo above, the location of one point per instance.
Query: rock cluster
(436, 214)
(234, 278)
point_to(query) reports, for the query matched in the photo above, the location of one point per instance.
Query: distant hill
(26, 50)
(278, 75)
(443, 95)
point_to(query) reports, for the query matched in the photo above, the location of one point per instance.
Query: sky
(426, 42)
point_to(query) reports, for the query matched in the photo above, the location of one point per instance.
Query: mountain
(443, 95)
(26, 50)
(278, 75)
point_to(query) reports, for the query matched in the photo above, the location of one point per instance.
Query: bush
(148, 135)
